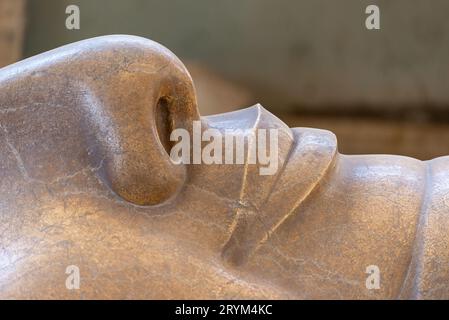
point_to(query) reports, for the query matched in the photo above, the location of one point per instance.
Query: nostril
(164, 123)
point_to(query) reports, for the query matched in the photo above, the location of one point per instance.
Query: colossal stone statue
(86, 182)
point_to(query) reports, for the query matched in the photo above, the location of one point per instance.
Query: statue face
(88, 184)
(94, 203)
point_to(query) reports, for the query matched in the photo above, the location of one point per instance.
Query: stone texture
(85, 180)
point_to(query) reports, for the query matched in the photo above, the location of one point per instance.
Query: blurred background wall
(311, 62)
(12, 23)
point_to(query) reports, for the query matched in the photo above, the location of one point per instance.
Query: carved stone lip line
(256, 242)
(414, 269)
(233, 228)
(245, 169)
(272, 231)
(297, 138)
(234, 224)
(298, 203)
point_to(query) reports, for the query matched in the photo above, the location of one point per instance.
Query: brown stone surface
(85, 180)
